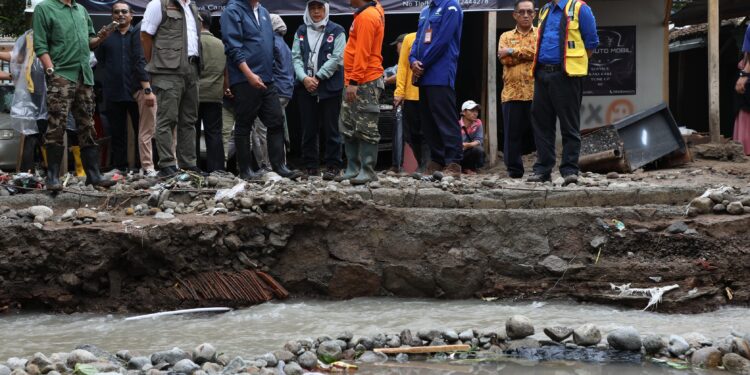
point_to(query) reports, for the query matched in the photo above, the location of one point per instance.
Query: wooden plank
(425, 349)
(714, 115)
(491, 124)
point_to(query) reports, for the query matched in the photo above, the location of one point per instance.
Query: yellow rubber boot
(77, 159)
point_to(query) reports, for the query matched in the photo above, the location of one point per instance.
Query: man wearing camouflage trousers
(363, 77)
(63, 39)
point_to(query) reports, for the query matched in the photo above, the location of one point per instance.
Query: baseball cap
(469, 104)
(398, 40)
(324, 2)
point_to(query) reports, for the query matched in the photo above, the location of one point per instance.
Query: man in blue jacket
(248, 43)
(434, 60)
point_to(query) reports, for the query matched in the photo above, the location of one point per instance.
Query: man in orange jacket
(363, 77)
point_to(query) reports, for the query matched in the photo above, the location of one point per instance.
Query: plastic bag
(29, 98)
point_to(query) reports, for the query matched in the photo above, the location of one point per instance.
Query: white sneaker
(149, 173)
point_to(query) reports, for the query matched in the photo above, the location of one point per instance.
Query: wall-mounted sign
(612, 68)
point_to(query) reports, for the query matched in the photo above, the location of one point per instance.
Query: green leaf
(82, 369)
(327, 359)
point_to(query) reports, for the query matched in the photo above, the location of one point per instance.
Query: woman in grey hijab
(318, 57)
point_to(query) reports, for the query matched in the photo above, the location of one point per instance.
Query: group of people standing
(174, 79)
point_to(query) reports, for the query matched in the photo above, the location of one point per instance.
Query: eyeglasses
(525, 12)
(121, 11)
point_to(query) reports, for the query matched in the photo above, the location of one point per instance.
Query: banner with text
(612, 69)
(297, 7)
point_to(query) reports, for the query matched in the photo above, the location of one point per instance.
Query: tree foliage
(12, 19)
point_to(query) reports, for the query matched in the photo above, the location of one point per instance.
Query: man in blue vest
(434, 61)
(567, 38)
(318, 56)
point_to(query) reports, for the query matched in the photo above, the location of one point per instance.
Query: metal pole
(492, 88)
(714, 116)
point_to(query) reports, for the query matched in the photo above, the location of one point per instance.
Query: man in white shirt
(171, 45)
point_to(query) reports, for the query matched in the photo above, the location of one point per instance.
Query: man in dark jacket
(318, 55)
(248, 43)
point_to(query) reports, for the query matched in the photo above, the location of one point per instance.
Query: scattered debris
(654, 293)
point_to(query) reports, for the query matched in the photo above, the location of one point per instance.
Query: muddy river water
(266, 327)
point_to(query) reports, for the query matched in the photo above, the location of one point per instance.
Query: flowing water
(266, 327)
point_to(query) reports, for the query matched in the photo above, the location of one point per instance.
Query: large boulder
(329, 350)
(204, 353)
(518, 327)
(706, 358)
(678, 346)
(293, 368)
(736, 364)
(373, 357)
(626, 338)
(587, 335)
(80, 356)
(308, 360)
(558, 334)
(185, 366)
(654, 344)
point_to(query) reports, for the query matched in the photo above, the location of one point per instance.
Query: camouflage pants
(63, 97)
(359, 120)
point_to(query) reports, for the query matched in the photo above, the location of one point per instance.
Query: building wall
(648, 17)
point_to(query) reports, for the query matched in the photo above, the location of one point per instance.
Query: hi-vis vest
(575, 59)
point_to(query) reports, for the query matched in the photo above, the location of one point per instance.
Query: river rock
(69, 215)
(42, 212)
(105, 367)
(345, 336)
(163, 216)
(283, 355)
(169, 356)
(138, 363)
(626, 338)
(706, 358)
(735, 208)
(742, 347)
(719, 208)
(373, 357)
(185, 366)
(32, 369)
(402, 358)
(393, 341)
(554, 265)
(366, 342)
(14, 363)
(526, 343)
(293, 346)
(587, 335)
(212, 368)
(270, 359)
(467, 335)
(235, 366)
(697, 340)
(678, 345)
(736, 364)
(653, 344)
(518, 327)
(40, 360)
(428, 335)
(80, 356)
(204, 353)
(308, 360)
(558, 334)
(124, 355)
(329, 349)
(408, 339)
(703, 204)
(4, 370)
(378, 341)
(677, 227)
(293, 368)
(18, 371)
(450, 335)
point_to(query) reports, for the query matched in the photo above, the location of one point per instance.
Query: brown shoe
(453, 170)
(432, 167)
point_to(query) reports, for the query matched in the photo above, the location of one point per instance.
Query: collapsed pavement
(136, 249)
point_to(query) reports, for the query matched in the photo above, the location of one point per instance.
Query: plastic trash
(619, 225)
(84, 369)
(29, 97)
(230, 193)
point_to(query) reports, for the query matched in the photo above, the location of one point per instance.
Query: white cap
(31, 4)
(469, 104)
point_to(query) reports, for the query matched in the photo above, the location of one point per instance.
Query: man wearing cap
(567, 38)
(63, 37)
(248, 43)
(171, 44)
(407, 97)
(516, 52)
(318, 57)
(434, 61)
(363, 77)
(472, 136)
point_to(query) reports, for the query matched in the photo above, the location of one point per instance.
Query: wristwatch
(744, 73)
(510, 51)
(49, 71)
(147, 91)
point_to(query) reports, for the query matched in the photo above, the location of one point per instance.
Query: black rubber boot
(368, 152)
(244, 160)
(90, 160)
(353, 161)
(54, 158)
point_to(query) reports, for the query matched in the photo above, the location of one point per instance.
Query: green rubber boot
(353, 162)
(369, 154)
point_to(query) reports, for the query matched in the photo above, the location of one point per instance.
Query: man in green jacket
(63, 39)
(211, 94)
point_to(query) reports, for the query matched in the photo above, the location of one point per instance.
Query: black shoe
(167, 172)
(331, 173)
(312, 172)
(515, 175)
(283, 171)
(539, 178)
(90, 161)
(570, 179)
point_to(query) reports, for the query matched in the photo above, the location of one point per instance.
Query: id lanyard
(314, 55)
